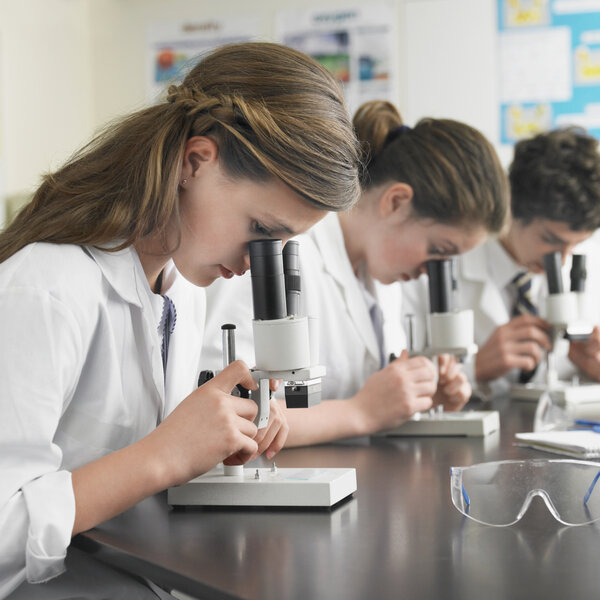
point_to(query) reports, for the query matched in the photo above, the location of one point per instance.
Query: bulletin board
(175, 47)
(358, 44)
(549, 55)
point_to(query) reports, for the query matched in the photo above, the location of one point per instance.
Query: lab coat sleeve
(41, 358)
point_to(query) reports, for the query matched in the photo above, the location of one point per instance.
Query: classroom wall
(68, 66)
(45, 86)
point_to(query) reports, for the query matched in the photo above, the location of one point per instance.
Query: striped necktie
(523, 304)
(166, 327)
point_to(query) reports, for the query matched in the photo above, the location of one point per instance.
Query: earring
(184, 181)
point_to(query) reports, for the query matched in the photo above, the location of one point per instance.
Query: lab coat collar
(123, 271)
(125, 274)
(475, 267)
(329, 238)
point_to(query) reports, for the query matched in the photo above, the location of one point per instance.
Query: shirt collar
(123, 271)
(503, 268)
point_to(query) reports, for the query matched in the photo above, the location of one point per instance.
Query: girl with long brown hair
(429, 191)
(255, 142)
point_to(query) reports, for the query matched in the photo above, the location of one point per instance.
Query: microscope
(448, 331)
(286, 347)
(568, 313)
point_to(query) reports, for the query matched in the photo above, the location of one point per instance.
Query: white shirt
(80, 376)
(332, 293)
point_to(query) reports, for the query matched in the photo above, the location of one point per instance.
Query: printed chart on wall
(549, 66)
(358, 45)
(175, 47)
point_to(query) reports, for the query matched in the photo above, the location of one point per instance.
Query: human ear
(198, 150)
(396, 201)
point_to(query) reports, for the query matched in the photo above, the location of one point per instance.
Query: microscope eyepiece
(552, 266)
(291, 269)
(440, 285)
(578, 273)
(268, 285)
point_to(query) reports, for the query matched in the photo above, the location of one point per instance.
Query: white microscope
(569, 315)
(448, 331)
(286, 348)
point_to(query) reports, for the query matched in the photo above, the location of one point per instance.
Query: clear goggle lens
(499, 493)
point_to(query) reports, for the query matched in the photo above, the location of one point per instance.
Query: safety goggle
(499, 493)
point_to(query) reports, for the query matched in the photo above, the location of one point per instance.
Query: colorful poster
(549, 58)
(175, 47)
(358, 45)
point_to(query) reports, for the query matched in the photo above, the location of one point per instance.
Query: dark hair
(274, 112)
(453, 169)
(556, 175)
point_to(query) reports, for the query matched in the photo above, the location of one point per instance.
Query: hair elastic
(394, 133)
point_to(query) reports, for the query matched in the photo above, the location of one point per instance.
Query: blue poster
(549, 66)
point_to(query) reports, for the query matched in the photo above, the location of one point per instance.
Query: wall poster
(549, 55)
(358, 45)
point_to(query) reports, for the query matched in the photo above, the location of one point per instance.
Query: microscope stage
(308, 487)
(472, 423)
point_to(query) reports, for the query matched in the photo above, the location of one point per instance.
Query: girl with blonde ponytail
(429, 191)
(254, 142)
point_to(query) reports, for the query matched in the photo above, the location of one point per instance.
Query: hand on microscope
(207, 427)
(394, 394)
(586, 355)
(271, 438)
(453, 387)
(518, 344)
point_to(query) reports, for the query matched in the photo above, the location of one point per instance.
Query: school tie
(166, 327)
(523, 304)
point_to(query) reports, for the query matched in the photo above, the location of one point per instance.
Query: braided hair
(273, 112)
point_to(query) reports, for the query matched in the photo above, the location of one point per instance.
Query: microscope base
(570, 392)
(467, 424)
(308, 487)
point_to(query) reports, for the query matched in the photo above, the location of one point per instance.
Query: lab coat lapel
(330, 240)
(125, 274)
(480, 291)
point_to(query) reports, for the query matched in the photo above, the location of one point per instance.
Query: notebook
(579, 444)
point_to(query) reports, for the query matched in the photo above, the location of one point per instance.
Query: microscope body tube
(282, 338)
(578, 273)
(449, 329)
(578, 276)
(268, 283)
(291, 272)
(561, 307)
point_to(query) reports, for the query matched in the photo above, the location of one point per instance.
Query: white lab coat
(330, 292)
(479, 291)
(80, 376)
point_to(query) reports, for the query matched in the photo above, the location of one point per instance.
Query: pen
(587, 425)
(587, 422)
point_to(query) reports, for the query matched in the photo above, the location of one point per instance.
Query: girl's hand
(209, 426)
(586, 355)
(271, 438)
(453, 389)
(394, 394)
